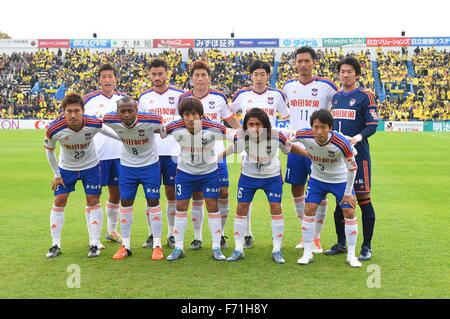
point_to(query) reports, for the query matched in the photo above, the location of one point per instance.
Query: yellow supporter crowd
(76, 69)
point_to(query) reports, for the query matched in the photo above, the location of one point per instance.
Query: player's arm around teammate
(78, 160)
(260, 170)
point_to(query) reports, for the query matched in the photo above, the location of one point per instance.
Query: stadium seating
(410, 88)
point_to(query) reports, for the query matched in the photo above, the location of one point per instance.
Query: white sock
(249, 221)
(224, 209)
(179, 228)
(126, 220)
(215, 228)
(351, 233)
(240, 225)
(96, 222)
(299, 203)
(197, 218)
(170, 213)
(155, 217)
(56, 224)
(88, 224)
(307, 233)
(112, 211)
(277, 231)
(320, 218)
(149, 223)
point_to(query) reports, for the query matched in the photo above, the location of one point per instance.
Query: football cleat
(217, 255)
(148, 243)
(236, 255)
(316, 246)
(306, 259)
(157, 253)
(177, 253)
(223, 242)
(248, 242)
(94, 251)
(171, 242)
(114, 237)
(366, 254)
(122, 253)
(354, 262)
(54, 251)
(278, 257)
(196, 244)
(335, 249)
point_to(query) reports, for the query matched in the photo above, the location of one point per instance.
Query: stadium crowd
(29, 81)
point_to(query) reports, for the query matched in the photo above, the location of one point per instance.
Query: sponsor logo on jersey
(304, 103)
(270, 100)
(352, 102)
(314, 91)
(344, 114)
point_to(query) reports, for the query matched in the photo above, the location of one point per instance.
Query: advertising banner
(388, 42)
(90, 43)
(344, 42)
(443, 126)
(18, 43)
(396, 126)
(173, 43)
(215, 43)
(24, 124)
(132, 43)
(442, 41)
(257, 43)
(53, 43)
(300, 42)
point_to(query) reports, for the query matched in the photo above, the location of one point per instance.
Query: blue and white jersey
(261, 158)
(354, 113)
(305, 98)
(166, 105)
(331, 161)
(97, 104)
(77, 151)
(138, 140)
(215, 108)
(197, 151)
(270, 101)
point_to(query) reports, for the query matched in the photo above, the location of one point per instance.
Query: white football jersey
(138, 140)
(197, 155)
(166, 105)
(77, 151)
(97, 104)
(306, 98)
(215, 108)
(270, 101)
(261, 160)
(330, 162)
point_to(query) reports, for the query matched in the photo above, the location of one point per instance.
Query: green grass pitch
(411, 196)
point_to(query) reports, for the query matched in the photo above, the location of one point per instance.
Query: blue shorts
(363, 177)
(186, 184)
(110, 172)
(90, 177)
(247, 187)
(317, 191)
(168, 169)
(298, 169)
(223, 174)
(131, 177)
